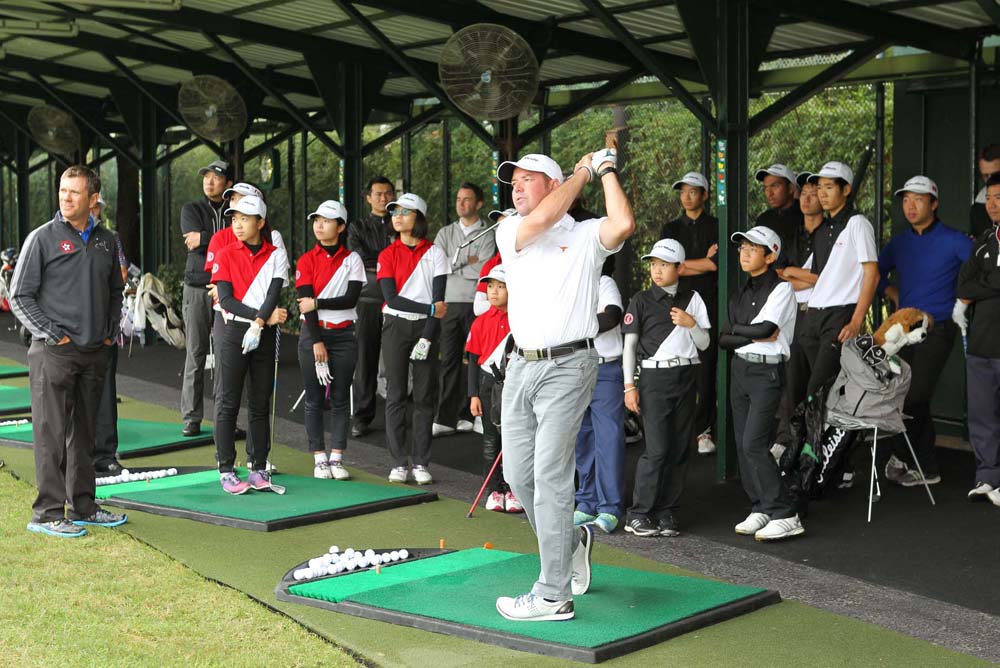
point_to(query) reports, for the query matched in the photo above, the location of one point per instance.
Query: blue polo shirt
(926, 267)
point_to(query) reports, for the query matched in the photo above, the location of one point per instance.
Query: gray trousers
(543, 406)
(198, 315)
(65, 389)
(983, 378)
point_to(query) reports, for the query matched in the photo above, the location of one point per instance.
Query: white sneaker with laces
(441, 430)
(783, 528)
(322, 471)
(399, 474)
(912, 478)
(531, 608)
(477, 424)
(495, 502)
(581, 560)
(464, 425)
(706, 446)
(338, 471)
(752, 524)
(994, 497)
(422, 476)
(980, 491)
(511, 504)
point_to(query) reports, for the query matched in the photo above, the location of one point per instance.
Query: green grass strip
(12, 370)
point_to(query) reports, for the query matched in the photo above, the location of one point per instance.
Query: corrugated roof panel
(87, 60)
(299, 15)
(217, 6)
(957, 16)
(102, 29)
(185, 39)
(679, 47)
(645, 23)
(431, 53)
(33, 48)
(303, 101)
(259, 55)
(350, 35)
(805, 35)
(82, 89)
(575, 66)
(166, 76)
(404, 30)
(403, 86)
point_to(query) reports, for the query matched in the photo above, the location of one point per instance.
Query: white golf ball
(171, 471)
(349, 552)
(385, 557)
(338, 567)
(403, 554)
(376, 559)
(124, 472)
(363, 562)
(334, 549)
(350, 565)
(369, 553)
(394, 555)
(298, 575)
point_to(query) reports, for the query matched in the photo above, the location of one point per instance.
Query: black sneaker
(239, 434)
(61, 528)
(668, 525)
(359, 429)
(642, 526)
(114, 468)
(191, 429)
(102, 518)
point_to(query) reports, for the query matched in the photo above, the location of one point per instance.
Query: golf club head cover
(323, 373)
(420, 350)
(251, 339)
(959, 317)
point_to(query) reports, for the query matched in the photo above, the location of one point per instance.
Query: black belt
(536, 354)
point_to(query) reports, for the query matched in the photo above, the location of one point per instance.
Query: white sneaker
(980, 492)
(338, 471)
(477, 424)
(912, 478)
(399, 474)
(752, 524)
(778, 529)
(994, 497)
(511, 503)
(464, 425)
(495, 502)
(895, 470)
(531, 608)
(441, 430)
(268, 466)
(322, 471)
(581, 561)
(777, 450)
(706, 446)
(422, 476)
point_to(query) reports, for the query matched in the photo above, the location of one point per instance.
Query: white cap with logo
(533, 162)
(668, 250)
(760, 235)
(250, 205)
(692, 179)
(920, 185)
(497, 273)
(777, 169)
(331, 209)
(243, 189)
(408, 201)
(496, 213)
(833, 170)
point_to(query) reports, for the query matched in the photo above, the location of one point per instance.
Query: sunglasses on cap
(400, 211)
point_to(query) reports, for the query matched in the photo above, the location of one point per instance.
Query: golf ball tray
(337, 562)
(140, 476)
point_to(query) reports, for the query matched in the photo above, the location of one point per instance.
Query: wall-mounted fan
(54, 130)
(489, 71)
(212, 108)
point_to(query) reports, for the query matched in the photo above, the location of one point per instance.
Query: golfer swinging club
(553, 267)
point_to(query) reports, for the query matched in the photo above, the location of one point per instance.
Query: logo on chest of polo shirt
(211, 256)
(563, 248)
(66, 246)
(103, 245)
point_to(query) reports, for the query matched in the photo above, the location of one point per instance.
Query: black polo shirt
(696, 236)
(826, 236)
(648, 316)
(783, 221)
(748, 301)
(368, 237)
(800, 247)
(979, 220)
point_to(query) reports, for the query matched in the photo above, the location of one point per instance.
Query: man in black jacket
(67, 291)
(368, 237)
(199, 221)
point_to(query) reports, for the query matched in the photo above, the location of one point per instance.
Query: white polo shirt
(779, 308)
(552, 282)
(609, 343)
(839, 282)
(803, 296)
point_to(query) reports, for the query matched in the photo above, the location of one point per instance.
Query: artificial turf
(787, 634)
(13, 370)
(134, 436)
(14, 400)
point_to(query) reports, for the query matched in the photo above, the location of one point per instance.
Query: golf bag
(499, 374)
(153, 307)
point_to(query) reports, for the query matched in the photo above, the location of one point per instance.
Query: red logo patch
(629, 319)
(66, 246)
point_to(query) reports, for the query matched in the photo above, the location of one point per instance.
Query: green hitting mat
(455, 593)
(13, 371)
(199, 496)
(136, 438)
(15, 400)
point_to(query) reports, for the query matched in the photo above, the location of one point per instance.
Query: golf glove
(958, 315)
(252, 338)
(605, 155)
(421, 350)
(323, 373)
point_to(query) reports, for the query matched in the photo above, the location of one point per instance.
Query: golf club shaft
(274, 390)
(489, 476)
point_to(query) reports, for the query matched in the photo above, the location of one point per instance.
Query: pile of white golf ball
(335, 562)
(127, 476)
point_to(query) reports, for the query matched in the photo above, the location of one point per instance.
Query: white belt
(757, 358)
(228, 317)
(669, 363)
(605, 360)
(408, 316)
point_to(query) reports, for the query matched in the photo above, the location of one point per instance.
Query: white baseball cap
(833, 170)
(920, 185)
(668, 250)
(100, 200)
(760, 235)
(331, 209)
(244, 189)
(408, 201)
(497, 273)
(533, 162)
(803, 178)
(777, 169)
(692, 179)
(250, 205)
(496, 213)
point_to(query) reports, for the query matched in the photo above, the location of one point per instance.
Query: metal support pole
(507, 143)
(446, 171)
(879, 183)
(974, 117)
(148, 140)
(292, 209)
(22, 153)
(706, 141)
(405, 150)
(545, 141)
(731, 188)
(304, 138)
(351, 131)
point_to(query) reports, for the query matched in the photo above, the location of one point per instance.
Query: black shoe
(359, 429)
(642, 526)
(239, 434)
(102, 518)
(668, 525)
(192, 429)
(114, 468)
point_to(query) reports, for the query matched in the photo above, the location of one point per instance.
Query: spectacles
(750, 249)
(400, 211)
